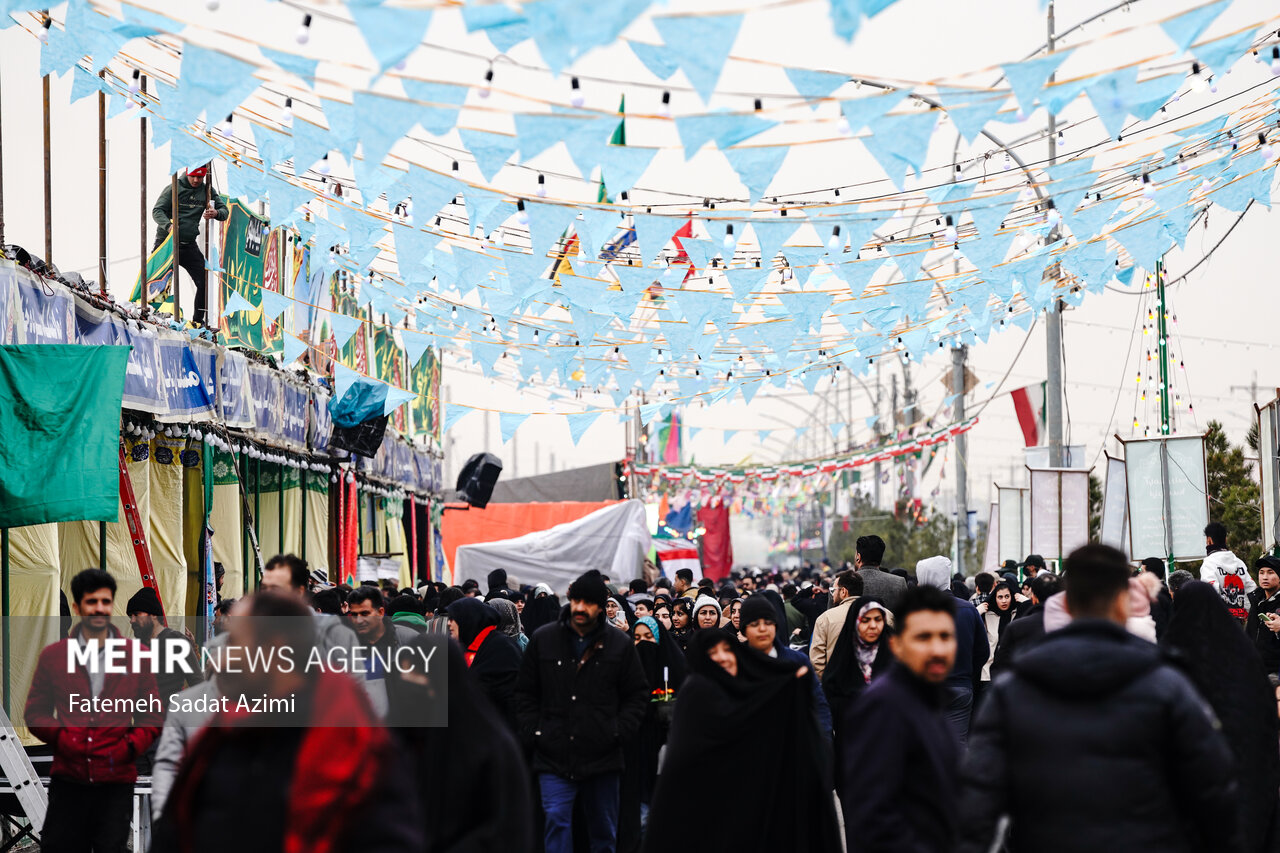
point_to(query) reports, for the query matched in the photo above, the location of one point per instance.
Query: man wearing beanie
(145, 616)
(760, 618)
(580, 695)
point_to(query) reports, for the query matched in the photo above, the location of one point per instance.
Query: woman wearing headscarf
(469, 774)
(732, 694)
(682, 622)
(1217, 656)
(492, 657)
(996, 612)
(509, 621)
(664, 668)
(860, 654)
(542, 610)
(617, 613)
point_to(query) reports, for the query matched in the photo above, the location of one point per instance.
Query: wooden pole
(302, 487)
(2, 185)
(102, 189)
(173, 246)
(244, 520)
(8, 602)
(48, 181)
(146, 205)
(102, 545)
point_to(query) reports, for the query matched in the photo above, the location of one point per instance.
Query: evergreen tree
(1233, 494)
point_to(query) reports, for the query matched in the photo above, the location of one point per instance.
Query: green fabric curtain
(60, 432)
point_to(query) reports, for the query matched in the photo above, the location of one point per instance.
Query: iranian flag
(1029, 404)
(676, 554)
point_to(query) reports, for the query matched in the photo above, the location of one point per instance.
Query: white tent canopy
(613, 540)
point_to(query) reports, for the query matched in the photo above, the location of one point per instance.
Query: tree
(1234, 496)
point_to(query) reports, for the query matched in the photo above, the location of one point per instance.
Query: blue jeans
(959, 710)
(599, 804)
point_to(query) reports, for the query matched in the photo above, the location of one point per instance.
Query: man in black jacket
(897, 768)
(196, 202)
(1026, 631)
(1263, 625)
(581, 692)
(1136, 753)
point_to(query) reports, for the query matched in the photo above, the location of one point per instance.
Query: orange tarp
(463, 526)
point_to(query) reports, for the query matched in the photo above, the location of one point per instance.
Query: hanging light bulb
(843, 126)
(1148, 186)
(1267, 151)
(1275, 61)
(286, 114)
(730, 242)
(226, 128)
(324, 165)
(664, 108)
(304, 32)
(836, 243)
(136, 87)
(1197, 80)
(542, 186)
(576, 99)
(1052, 216)
(488, 80)
(43, 35)
(949, 231)
(521, 215)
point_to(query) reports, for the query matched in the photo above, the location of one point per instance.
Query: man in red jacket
(97, 720)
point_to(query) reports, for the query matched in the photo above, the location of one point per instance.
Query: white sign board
(1115, 508)
(1059, 511)
(1073, 456)
(1015, 523)
(1269, 470)
(991, 554)
(1168, 505)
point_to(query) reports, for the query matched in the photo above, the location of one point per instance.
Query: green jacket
(191, 204)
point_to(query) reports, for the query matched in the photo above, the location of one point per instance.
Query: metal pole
(280, 513)
(102, 188)
(243, 473)
(1053, 315)
(879, 394)
(48, 180)
(173, 251)
(257, 497)
(102, 545)
(958, 355)
(8, 602)
(302, 487)
(146, 207)
(2, 196)
(1162, 347)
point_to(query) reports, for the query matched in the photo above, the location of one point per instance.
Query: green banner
(243, 249)
(424, 380)
(60, 433)
(388, 365)
(159, 277)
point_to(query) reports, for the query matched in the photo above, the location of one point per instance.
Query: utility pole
(893, 402)
(1053, 314)
(879, 432)
(908, 419)
(1162, 349)
(958, 355)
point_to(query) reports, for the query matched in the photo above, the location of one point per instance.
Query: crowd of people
(867, 709)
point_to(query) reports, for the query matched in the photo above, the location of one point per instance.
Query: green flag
(60, 432)
(159, 276)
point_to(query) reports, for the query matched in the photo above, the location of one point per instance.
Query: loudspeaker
(477, 478)
(363, 439)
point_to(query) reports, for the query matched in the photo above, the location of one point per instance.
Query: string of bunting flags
(537, 238)
(774, 473)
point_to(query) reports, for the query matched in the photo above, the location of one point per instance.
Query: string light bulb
(664, 108)
(286, 114)
(522, 216)
(1275, 60)
(226, 128)
(1148, 186)
(304, 32)
(136, 87)
(836, 243)
(542, 185)
(730, 242)
(1197, 81)
(488, 80)
(949, 231)
(576, 99)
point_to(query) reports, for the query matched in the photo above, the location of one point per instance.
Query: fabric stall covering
(591, 483)
(167, 532)
(717, 546)
(192, 531)
(613, 540)
(33, 584)
(77, 543)
(464, 525)
(392, 535)
(318, 521)
(269, 537)
(226, 521)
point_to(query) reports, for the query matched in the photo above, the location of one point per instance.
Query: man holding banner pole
(195, 202)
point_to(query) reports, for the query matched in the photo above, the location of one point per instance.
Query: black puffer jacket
(575, 713)
(1136, 753)
(1266, 641)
